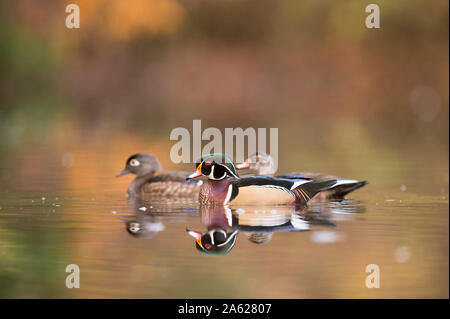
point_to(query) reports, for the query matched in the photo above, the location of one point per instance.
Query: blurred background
(75, 103)
(161, 63)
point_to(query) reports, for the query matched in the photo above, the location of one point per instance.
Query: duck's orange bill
(246, 164)
(197, 173)
(196, 235)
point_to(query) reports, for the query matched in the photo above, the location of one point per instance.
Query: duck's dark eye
(219, 172)
(206, 170)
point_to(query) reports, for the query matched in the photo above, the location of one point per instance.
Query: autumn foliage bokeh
(247, 61)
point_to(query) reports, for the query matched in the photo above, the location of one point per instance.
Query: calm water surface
(63, 205)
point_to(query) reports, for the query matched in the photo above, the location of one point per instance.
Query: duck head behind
(261, 162)
(141, 165)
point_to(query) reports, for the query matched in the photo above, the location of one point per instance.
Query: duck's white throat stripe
(230, 190)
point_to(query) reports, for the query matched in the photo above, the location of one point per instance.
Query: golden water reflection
(399, 221)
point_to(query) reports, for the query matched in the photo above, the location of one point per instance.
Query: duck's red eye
(208, 246)
(208, 163)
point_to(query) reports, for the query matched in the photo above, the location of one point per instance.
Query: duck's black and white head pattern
(215, 167)
(215, 242)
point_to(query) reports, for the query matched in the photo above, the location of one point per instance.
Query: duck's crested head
(261, 162)
(216, 242)
(215, 167)
(141, 165)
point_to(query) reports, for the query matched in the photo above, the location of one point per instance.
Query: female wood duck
(148, 185)
(224, 185)
(264, 165)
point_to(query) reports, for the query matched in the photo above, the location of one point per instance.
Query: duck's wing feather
(306, 191)
(307, 175)
(345, 186)
(264, 181)
(302, 189)
(337, 191)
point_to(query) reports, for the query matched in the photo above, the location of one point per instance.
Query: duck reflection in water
(139, 224)
(258, 224)
(147, 217)
(143, 225)
(222, 224)
(221, 231)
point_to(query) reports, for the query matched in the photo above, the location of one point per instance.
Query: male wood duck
(264, 165)
(220, 236)
(224, 185)
(149, 184)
